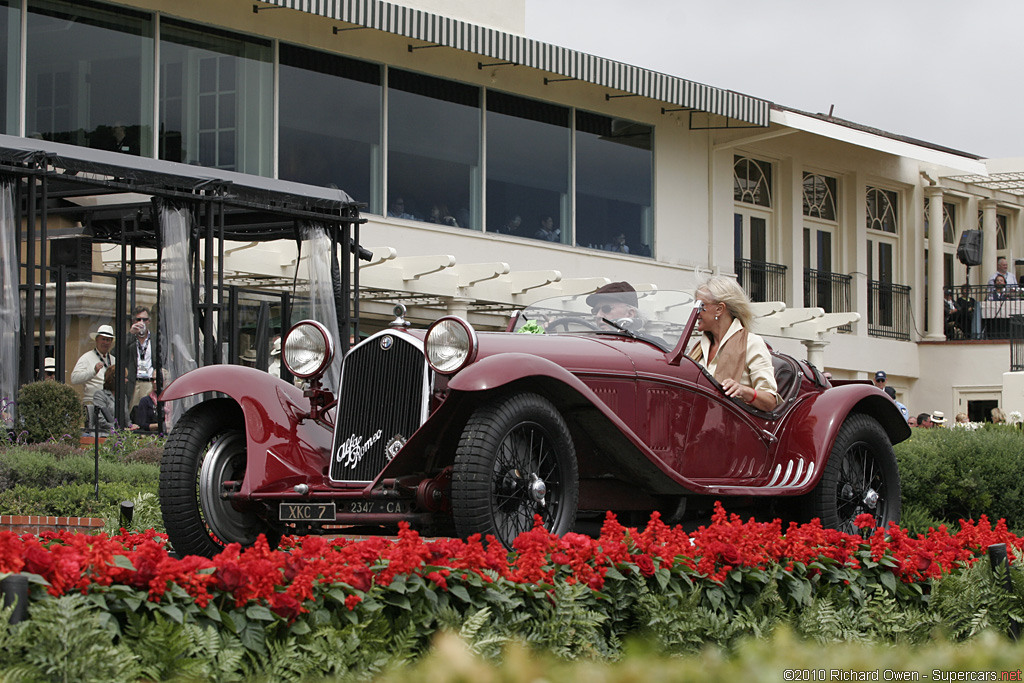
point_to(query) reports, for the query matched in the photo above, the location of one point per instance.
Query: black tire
(207, 448)
(861, 465)
(515, 459)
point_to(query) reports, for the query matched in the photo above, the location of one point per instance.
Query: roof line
(489, 42)
(878, 131)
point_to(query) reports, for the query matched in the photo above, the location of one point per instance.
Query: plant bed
(335, 606)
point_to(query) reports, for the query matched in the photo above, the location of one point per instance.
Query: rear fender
(811, 429)
(283, 447)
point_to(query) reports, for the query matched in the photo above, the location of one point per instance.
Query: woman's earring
(716, 317)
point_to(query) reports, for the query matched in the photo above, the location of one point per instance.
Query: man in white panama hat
(92, 366)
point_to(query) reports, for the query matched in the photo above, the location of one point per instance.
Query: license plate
(307, 512)
(373, 507)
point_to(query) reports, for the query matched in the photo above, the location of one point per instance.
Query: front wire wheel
(515, 460)
(861, 477)
(206, 449)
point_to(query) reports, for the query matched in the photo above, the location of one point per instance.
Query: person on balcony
(618, 244)
(1002, 268)
(998, 291)
(965, 307)
(739, 360)
(548, 231)
(952, 316)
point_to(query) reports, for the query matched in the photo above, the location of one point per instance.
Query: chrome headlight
(307, 349)
(450, 345)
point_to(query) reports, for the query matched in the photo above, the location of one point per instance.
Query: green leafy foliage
(128, 445)
(50, 411)
(146, 515)
(953, 474)
(63, 641)
(34, 482)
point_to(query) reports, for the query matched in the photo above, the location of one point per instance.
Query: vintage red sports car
(460, 432)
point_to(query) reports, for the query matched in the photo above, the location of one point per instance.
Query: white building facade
(493, 166)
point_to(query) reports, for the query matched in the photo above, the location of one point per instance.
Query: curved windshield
(662, 317)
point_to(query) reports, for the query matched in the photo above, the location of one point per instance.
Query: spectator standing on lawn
(91, 368)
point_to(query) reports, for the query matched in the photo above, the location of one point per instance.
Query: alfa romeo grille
(380, 405)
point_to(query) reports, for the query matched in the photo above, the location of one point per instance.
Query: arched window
(882, 210)
(752, 181)
(820, 196)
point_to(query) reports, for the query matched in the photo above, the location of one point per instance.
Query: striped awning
(488, 42)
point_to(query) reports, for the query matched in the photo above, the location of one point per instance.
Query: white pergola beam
(469, 274)
(380, 255)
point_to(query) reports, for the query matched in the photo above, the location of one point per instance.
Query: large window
(90, 75)
(752, 193)
(883, 214)
(528, 155)
(10, 51)
(215, 98)
(1001, 222)
(752, 181)
(329, 125)
(433, 150)
(614, 170)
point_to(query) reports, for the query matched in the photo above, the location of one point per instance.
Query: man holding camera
(139, 357)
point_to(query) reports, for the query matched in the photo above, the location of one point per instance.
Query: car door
(724, 441)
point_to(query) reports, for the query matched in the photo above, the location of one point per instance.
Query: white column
(988, 243)
(816, 352)
(459, 306)
(936, 328)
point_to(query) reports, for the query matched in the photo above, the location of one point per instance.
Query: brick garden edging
(35, 524)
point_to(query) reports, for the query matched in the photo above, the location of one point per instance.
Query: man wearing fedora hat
(613, 301)
(938, 418)
(92, 366)
(49, 368)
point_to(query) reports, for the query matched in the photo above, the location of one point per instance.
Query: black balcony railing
(1016, 343)
(828, 291)
(762, 281)
(982, 312)
(889, 310)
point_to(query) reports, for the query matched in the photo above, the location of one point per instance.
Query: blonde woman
(739, 360)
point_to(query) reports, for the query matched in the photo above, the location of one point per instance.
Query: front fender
(283, 447)
(569, 393)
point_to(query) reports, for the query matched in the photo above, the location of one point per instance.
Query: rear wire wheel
(207, 448)
(860, 477)
(515, 459)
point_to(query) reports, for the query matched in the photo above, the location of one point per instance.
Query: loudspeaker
(76, 254)
(969, 249)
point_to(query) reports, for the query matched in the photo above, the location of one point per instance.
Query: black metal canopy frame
(117, 199)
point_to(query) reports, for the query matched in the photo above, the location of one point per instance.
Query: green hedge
(33, 482)
(947, 474)
(952, 474)
(49, 410)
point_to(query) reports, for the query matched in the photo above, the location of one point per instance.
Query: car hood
(576, 353)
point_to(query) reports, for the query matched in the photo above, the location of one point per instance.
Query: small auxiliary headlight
(450, 345)
(307, 349)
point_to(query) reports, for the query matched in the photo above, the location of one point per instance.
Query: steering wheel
(566, 321)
